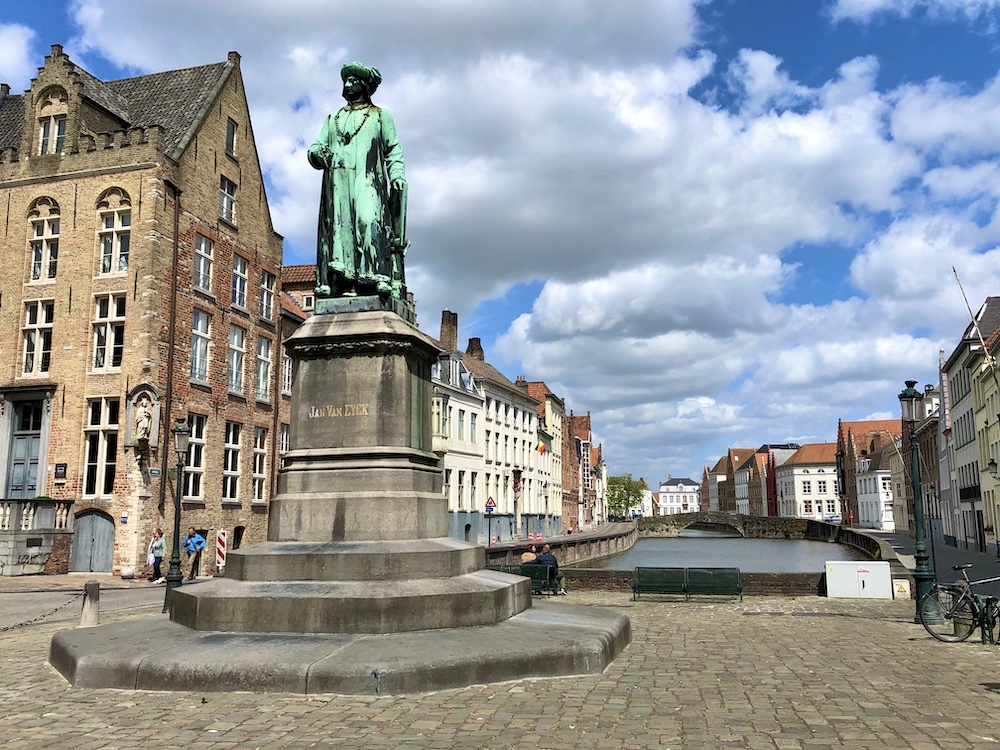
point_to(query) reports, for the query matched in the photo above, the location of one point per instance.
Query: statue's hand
(398, 185)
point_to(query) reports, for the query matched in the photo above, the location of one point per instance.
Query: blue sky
(710, 223)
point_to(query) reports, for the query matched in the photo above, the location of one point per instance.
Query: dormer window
(52, 135)
(52, 121)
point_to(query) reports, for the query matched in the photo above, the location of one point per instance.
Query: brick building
(143, 287)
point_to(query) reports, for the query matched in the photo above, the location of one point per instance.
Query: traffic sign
(491, 505)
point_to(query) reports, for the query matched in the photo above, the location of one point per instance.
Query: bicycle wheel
(949, 614)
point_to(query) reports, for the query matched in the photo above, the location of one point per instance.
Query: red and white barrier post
(220, 550)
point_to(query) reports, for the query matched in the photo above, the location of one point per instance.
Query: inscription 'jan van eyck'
(328, 411)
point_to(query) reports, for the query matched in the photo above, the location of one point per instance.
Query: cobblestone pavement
(770, 672)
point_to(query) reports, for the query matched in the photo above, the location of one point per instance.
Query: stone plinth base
(550, 639)
(482, 598)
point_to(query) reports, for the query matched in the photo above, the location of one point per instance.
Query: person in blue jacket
(194, 543)
(547, 558)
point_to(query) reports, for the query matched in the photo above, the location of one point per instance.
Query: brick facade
(152, 149)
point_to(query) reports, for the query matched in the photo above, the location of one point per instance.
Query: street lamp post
(175, 578)
(910, 401)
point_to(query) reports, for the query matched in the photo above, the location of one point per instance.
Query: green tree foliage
(624, 494)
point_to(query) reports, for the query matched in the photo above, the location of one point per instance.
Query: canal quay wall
(575, 550)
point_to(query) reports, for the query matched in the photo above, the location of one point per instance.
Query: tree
(624, 494)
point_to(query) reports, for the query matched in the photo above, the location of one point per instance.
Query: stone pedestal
(357, 549)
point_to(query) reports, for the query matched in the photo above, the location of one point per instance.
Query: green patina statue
(362, 212)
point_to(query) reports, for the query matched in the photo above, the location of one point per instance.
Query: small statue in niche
(142, 419)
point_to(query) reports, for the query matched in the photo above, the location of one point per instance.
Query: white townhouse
(874, 487)
(807, 483)
(679, 495)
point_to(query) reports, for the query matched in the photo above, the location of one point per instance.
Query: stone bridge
(753, 527)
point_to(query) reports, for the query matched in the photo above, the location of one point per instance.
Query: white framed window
(201, 344)
(231, 128)
(461, 424)
(473, 495)
(259, 464)
(116, 227)
(227, 200)
(37, 334)
(472, 428)
(109, 331)
(195, 468)
(231, 463)
(808, 507)
(44, 248)
(461, 490)
(308, 302)
(204, 248)
(283, 441)
(821, 486)
(286, 373)
(237, 351)
(101, 445)
(51, 134)
(487, 453)
(240, 265)
(267, 280)
(806, 487)
(263, 368)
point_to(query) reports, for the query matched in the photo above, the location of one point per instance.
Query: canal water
(709, 549)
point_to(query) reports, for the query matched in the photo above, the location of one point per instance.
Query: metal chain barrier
(47, 614)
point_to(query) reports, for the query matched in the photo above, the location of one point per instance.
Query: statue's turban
(370, 76)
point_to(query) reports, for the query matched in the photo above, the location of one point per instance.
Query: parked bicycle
(951, 612)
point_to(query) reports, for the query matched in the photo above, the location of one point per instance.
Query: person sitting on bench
(547, 558)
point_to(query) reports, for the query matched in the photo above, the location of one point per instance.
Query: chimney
(449, 330)
(4, 91)
(521, 379)
(475, 349)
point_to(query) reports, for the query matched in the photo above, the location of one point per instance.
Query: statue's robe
(364, 157)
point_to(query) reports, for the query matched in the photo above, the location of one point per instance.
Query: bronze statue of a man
(362, 210)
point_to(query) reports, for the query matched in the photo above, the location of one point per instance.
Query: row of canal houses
(865, 479)
(516, 463)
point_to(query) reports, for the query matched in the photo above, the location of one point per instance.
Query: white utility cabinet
(849, 579)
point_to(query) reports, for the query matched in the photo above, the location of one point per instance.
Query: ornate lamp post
(910, 401)
(181, 434)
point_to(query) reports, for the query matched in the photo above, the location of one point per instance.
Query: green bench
(658, 581)
(687, 581)
(543, 577)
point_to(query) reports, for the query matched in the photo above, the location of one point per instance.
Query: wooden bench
(687, 581)
(658, 581)
(543, 577)
(715, 581)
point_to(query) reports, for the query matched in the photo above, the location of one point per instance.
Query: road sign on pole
(491, 505)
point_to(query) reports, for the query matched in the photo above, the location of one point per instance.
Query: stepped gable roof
(290, 306)
(814, 453)
(299, 274)
(870, 434)
(11, 120)
(579, 426)
(880, 458)
(176, 100)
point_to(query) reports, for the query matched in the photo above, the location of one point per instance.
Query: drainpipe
(172, 329)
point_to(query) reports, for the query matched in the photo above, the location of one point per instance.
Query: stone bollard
(91, 614)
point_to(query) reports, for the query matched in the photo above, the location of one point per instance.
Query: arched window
(52, 120)
(114, 209)
(43, 239)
